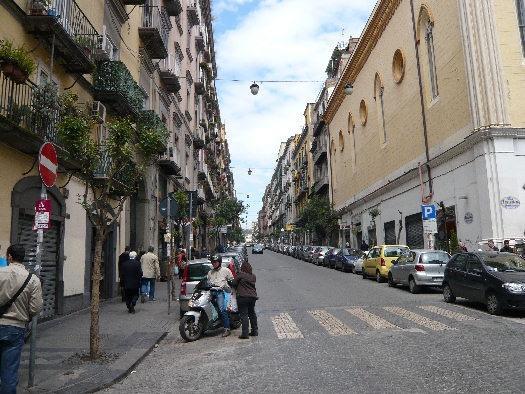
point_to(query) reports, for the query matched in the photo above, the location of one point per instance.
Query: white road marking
(330, 323)
(418, 319)
(285, 327)
(371, 319)
(447, 313)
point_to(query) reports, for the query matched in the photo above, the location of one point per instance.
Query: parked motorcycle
(203, 314)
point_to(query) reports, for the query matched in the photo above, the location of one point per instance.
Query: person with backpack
(20, 300)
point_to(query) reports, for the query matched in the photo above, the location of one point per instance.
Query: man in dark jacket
(123, 257)
(246, 297)
(131, 278)
(506, 247)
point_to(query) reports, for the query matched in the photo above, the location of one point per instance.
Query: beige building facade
(150, 58)
(433, 118)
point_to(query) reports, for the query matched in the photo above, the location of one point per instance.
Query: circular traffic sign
(48, 164)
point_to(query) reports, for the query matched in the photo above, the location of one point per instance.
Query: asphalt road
(326, 331)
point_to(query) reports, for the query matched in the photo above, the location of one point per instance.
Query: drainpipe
(422, 102)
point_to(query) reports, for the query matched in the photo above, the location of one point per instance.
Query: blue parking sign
(428, 212)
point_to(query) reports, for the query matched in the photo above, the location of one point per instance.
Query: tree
(227, 210)
(319, 218)
(111, 168)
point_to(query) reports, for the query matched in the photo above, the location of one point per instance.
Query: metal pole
(191, 225)
(34, 320)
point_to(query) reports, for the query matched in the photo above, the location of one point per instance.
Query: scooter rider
(219, 276)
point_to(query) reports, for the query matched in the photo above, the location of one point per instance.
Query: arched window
(341, 140)
(351, 132)
(426, 37)
(380, 106)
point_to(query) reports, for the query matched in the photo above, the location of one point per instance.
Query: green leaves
(319, 217)
(228, 211)
(18, 56)
(152, 134)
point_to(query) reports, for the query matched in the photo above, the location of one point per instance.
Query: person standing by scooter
(246, 297)
(219, 276)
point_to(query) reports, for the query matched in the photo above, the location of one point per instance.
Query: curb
(126, 373)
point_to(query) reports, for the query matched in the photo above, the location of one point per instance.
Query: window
(351, 131)
(520, 5)
(458, 262)
(363, 112)
(425, 37)
(474, 266)
(398, 66)
(380, 105)
(429, 39)
(341, 141)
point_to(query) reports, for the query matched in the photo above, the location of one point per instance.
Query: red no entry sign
(47, 164)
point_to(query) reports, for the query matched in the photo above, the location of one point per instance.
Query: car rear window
(198, 272)
(434, 258)
(395, 251)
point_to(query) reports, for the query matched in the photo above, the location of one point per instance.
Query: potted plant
(85, 42)
(39, 7)
(16, 63)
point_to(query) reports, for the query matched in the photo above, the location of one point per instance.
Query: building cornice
(375, 27)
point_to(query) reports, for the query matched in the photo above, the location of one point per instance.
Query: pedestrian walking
(131, 275)
(124, 256)
(150, 273)
(506, 247)
(246, 298)
(20, 301)
(182, 260)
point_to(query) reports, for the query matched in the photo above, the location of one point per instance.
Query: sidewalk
(125, 340)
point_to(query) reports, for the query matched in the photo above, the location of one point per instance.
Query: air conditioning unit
(105, 48)
(98, 112)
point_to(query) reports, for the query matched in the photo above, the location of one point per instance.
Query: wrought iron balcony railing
(155, 31)
(170, 73)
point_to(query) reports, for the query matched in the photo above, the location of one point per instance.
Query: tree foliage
(227, 211)
(319, 217)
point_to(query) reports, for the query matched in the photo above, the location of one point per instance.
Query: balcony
(154, 31)
(193, 15)
(201, 196)
(169, 74)
(173, 7)
(62, 21)
(319, 149)
(318, 125)
(151, 125)
(167, 163)
(28, 119)
(321, 182)
(200, 87)
(115, 87)
(198, 142)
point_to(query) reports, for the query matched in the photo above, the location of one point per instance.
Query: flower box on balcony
(114, 86)
(152, 133)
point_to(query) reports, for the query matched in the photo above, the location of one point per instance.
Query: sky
(258, 40)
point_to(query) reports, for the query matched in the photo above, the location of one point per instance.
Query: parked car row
(496, 279)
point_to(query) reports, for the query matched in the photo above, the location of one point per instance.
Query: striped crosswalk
(349, 321)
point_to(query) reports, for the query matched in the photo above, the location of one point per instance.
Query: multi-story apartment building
(435, 116)
(138, 59)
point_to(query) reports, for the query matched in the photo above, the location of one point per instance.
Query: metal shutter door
(390, 233)
(414, 231)
(48, 273)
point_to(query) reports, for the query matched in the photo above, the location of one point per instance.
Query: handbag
(4, 308)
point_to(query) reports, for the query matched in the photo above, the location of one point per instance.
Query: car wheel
(379, 278)
(412, 286)
(391, 282)
(493, 304)
(448, 296)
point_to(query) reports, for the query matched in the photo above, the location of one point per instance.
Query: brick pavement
(125, 339)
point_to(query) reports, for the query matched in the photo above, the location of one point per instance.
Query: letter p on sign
(428, 212)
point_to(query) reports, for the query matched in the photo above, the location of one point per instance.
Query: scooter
(203, 314)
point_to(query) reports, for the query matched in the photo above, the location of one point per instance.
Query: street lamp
(349, 89)
(254, 88)
(250, 171)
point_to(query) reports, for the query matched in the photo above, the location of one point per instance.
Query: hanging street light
(349, 89)
(250, 171)
(254, 88)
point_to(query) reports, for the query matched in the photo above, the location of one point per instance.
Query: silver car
(418, 268)
(320, 254)
(358, 265)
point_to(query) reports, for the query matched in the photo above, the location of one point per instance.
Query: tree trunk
(94, 331)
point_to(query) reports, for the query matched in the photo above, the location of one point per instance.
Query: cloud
(274, 40)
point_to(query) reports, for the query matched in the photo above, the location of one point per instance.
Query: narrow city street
(326, 331)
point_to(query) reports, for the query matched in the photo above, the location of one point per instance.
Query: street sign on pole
(48, 164)
(428, 212)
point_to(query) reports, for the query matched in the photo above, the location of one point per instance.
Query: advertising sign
(42, 215)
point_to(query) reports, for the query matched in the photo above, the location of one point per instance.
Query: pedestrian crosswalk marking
(447, 313)
(418, 319)
(371, 319)
(330, 323)
(285, 327)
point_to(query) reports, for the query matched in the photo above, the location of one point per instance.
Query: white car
(358, 265)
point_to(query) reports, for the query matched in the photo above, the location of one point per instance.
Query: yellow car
(380, 259)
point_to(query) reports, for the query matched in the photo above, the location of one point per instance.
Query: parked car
(319, 254)
(311, 253)
(358, 264)
(257, 248)
(420, 267)
(346, 258)
(194, 272)
(241, 249)
(493, 278)
(329, 257)
(380, 259)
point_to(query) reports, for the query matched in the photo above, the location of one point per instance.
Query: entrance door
(49, 271)
(414, 231)
(107, 265)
